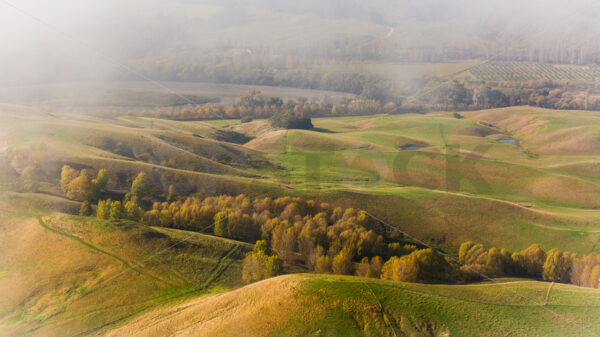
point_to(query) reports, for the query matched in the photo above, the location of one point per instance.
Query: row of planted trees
(295, 231)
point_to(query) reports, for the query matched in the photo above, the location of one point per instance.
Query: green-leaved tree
(221, 224)
(557, 266)
(140, 188)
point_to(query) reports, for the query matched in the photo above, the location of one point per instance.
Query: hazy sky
(46, 40)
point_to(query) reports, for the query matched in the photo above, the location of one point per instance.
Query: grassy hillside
(440, 179)
(461, 155)
(317, 305)
(63, 275)
(458, 183)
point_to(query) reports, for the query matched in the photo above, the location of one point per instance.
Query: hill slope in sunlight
(64, 276)
(318, 305)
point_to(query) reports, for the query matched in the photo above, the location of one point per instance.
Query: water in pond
(509, 141)
(412, 147)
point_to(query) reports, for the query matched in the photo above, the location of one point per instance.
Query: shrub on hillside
(140, 188)
(288, 119)
(370, 268)
(86, 209)
(257, 265)
(323, 264)
(342, 262)
(103, 211)
(424, 265)
(557, 266)
(78, 186)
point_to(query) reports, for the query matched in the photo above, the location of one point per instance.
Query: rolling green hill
(459, 183)
(438, 178)
(319, 305)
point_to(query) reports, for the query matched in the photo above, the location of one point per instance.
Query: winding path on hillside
(100, 250)
(224, 262)
(512, 203)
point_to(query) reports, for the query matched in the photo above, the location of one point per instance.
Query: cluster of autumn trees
(288, 119)
(79, 185)
(554, 98)
(256, 105)
(321, 238)
(294, 227)
(302, 232)
(259, 264)
(347, 241)
(131, 207)
(553, 265)
(454, 95)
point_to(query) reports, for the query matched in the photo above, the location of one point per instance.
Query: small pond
(509, 141)
(411, 147)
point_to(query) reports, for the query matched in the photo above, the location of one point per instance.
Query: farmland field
(529, 71)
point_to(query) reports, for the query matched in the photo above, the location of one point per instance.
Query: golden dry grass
(334, 305)
(252, 129)
(248, 311)
(270, 141)
(46, 276)
(69, 275)
(547, 131)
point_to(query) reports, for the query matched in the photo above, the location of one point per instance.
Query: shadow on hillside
(323, 130)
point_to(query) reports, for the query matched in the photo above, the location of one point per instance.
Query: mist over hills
(107, 40)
